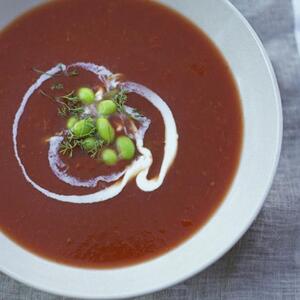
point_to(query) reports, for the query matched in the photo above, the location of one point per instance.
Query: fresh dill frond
(71, 142)
(71, 97)
(42, 92)
(76, 111)
(62, 111)
(95, 150)
(69, 105)
(57, 86)
(120, 99)
(68, 145)
(73, 73)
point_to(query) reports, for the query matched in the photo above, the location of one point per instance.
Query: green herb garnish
(42, 92)
(68, 145)
(120, 99)
(62, 111)
(72, 73)
(90, 143)
(57, 86)
(92, 146)
(72, 97)
(90, 125)
(69, 104)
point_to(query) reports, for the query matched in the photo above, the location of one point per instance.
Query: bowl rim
(233, 241)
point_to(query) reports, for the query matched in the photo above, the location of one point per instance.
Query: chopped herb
(42, 92)
(68, 145)
(95, 150)
(69, 104)
(76, 111)
(66, 110)
(120, 99)
(57, 86)
(71, 142)
(72, 73)
(71, 97)
(62, 111)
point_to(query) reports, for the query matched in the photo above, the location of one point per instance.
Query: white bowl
(261, 149)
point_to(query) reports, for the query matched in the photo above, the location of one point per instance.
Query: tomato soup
(121, 131)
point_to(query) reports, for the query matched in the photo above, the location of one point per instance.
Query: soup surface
(152, 46)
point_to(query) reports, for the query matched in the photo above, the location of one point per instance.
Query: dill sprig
(69, 104)
(72, 73)
(95, 150)
(120, 98)
(72, 97)
(57, 86)
(85, 131)
(76, 111)
(42, 92)
(68, 145)
(62, 111)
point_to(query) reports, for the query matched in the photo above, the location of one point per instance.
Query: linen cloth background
(265, 264)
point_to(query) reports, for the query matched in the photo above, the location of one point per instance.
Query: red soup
(121, 131)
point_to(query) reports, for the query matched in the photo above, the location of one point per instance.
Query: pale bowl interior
(262, 141)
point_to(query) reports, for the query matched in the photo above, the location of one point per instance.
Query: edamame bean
(86, 95)
(89, 143)
(106, 107)
(126, 147)
(71, 122)
(109, 157)
(105, 130)
(83, 128)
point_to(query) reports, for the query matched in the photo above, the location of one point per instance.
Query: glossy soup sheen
(150, 45)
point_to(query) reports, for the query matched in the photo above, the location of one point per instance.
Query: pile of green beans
(93, 131)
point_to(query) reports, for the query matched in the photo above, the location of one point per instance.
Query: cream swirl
(139, 168)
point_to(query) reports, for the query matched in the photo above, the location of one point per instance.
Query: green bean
(109, 157)
(107, 107)
(89, 144)
(126, 147)
(71, 122)
(83, 128)
(86, 95)
(105, 130)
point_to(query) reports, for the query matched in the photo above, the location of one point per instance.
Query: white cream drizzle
(139, 167)
(59, 168)
(171, 138)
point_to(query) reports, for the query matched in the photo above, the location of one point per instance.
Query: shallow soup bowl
(262, 115)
